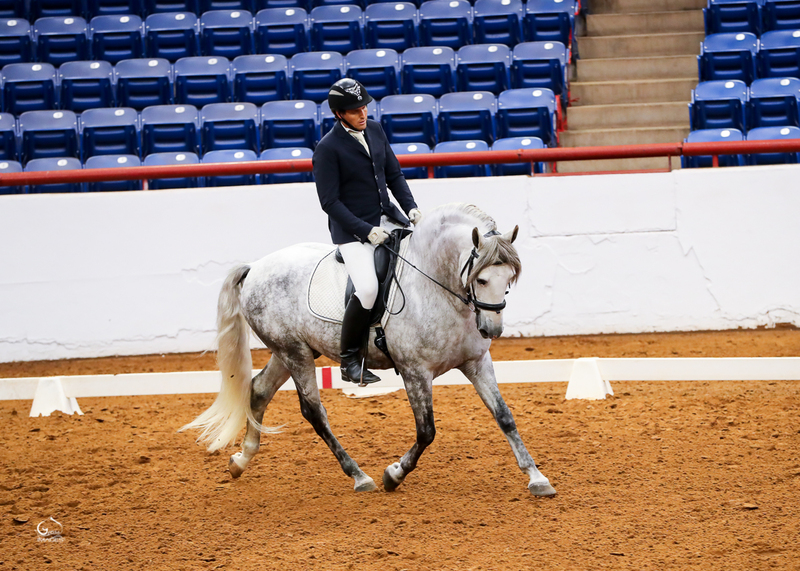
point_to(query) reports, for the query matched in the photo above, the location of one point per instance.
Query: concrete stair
(633, 81)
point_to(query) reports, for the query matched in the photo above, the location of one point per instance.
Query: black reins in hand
(470, 299)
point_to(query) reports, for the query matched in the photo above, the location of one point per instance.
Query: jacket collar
(342, 133)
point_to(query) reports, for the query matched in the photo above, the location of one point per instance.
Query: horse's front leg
(481, 375)
(305, 379)
(419, 388)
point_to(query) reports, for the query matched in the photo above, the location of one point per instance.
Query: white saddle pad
(329, 281)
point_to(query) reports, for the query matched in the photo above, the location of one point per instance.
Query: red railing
(423, 160)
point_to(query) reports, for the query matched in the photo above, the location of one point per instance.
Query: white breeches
(359, 261)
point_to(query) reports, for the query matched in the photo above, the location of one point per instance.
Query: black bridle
(469, 300)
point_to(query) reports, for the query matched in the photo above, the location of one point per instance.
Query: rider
(353, 165)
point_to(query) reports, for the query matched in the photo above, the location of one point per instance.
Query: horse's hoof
(542, 490)
(233, 467)
(365, 485)
(392, 477)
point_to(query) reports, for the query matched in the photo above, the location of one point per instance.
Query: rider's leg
(359, 260)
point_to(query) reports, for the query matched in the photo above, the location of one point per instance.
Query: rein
(470, 300)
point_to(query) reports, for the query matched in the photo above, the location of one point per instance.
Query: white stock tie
(359, 136)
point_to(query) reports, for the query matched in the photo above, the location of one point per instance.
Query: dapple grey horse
(440, 328)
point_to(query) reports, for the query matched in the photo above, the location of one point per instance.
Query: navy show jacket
(352, 185)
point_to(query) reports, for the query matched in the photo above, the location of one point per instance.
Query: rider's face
(356, 117)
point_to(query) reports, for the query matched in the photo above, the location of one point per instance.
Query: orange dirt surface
(663, 475)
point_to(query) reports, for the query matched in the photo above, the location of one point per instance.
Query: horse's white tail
(225, 418)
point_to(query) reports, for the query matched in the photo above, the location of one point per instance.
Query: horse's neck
(439, 251)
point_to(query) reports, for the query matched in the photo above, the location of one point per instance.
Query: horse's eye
(481, 281)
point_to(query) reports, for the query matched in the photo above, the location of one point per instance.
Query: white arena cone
(586, 382)
(50, 397)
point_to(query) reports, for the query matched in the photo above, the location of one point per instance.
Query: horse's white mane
(455, 211)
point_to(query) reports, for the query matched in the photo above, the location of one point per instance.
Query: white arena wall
(135, 273)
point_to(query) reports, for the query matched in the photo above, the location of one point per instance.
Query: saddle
(385, 263)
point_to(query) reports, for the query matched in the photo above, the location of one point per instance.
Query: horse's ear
(476, 237)
(512, 234)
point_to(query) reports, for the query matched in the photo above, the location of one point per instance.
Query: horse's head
(496, 267)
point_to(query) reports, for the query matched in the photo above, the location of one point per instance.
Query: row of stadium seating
(139, 83)
(754, 16)
(231, 33)
(225, 126)
(743, 56)
(33, 9)
(168, 159)
(772, 102)
(758, 134)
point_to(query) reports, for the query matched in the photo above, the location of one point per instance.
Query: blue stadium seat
(143, 82)
(116, 8)
(227, 33)
(540, 64)
(773, 133)
(113, 162)
(60, 39)
(409, 118)
(498, 22)
(327, 119)
(377, 70)
(28, 87)
(225, 126)
(513, 144)
(412, 149)
(313, 73)
(86, 85)
(287, 154)
(14, 9)
(549, 21)
(467, 116)
(115, 38)
(230, 156)
(8, 167)
(483, 67)
(527, 113)
(775, 102)
(728, 56)
(416, 3)
(47, 134)
(391, 26)
(170, 129)
(713, 136)
(779, 54)
(8, 137)
(269, 4)
(172, 35)
(202, 80)
(54, 164)
(726, 16)
(109, 132)
(445, 23)
(780, 15)
(173, 159)
(281, 31)
(719, 105)
(428, 70)
(461, 171)
(336, 28)
(54, 8)
(15, 41)
(259, 78)
(162, 6)
(289, 124)
(207, 5)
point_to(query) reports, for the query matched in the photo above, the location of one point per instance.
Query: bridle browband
(470, 300)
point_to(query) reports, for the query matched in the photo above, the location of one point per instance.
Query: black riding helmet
(347, 94)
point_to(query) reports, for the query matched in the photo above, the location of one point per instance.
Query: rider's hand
(378, 236)
(415, 216)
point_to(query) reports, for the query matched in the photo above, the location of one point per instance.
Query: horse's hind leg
(263, 387)
(303, 372)
(481, 375)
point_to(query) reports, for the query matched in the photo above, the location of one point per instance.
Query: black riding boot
(355, 326)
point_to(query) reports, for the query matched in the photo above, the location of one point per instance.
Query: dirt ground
(683, 475)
